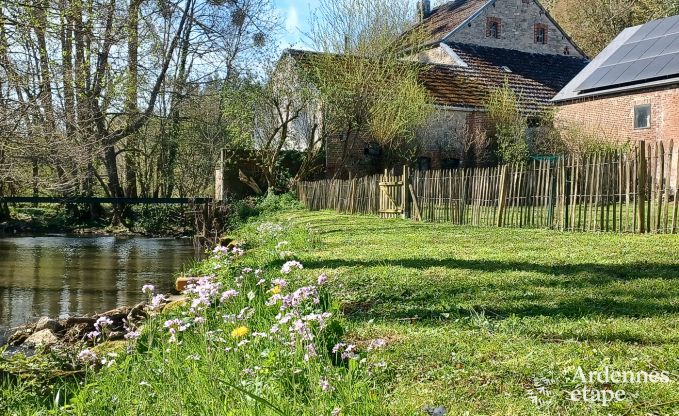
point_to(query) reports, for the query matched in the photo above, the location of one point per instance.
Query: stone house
(471, 47)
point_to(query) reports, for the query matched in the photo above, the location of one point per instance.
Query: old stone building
(471, 47)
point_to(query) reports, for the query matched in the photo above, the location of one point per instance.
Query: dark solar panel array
(650, 53)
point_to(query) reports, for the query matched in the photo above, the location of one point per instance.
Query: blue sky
(295, 15)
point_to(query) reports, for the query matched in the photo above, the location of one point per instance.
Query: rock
(19, 335)
(226, 240)
(47, 323)
(183, 282)
(45, 338)
(175, 302)
(77, 332)
(107, 347)
(137, 313)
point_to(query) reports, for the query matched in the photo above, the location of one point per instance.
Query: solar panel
(651, 52)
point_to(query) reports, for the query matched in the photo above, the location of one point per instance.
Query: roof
(535, 78)
(639, 57)
(447, 17)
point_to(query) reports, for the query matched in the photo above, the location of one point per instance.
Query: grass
(482, 321)
(497, 321)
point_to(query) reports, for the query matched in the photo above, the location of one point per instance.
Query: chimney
(423, 9)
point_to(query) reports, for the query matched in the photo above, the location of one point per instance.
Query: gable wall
(517, 29)
(612, 118)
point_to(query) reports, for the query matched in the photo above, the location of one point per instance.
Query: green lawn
(481, 321)
(497, 321)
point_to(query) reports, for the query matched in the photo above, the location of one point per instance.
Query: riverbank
(147, 221)
(424, 317)
(255, 337)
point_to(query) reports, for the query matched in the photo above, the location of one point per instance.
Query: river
(61, 276)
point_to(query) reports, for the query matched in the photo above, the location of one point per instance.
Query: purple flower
(157, 301)
(325, 384)
(229, 294)
(376, 344)
(279, 282)
(93, 335)
(132, 335)
(322, 279)
(148, 289)
(87, 355)
(220, 250)
(102, 323)
(289, 266)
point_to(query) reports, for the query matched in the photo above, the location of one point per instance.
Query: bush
(509, 125)
(240, 211)
(160, 219)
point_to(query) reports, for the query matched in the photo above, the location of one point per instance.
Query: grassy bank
(477, 320)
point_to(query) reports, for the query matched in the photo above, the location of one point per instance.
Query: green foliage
(594, 24)
(160, 219)
(581, 141)
(509, 125)
(211, 369)
(251, 207)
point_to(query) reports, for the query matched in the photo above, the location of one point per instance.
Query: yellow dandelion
(276, 289)
(240, 332)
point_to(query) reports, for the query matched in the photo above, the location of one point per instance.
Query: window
(493, 27)
(642, 116)
(424, 163)
(540, 32)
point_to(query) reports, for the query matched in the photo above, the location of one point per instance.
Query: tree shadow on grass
(625, 271)
(570, 291)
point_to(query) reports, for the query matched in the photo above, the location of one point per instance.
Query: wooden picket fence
(634, 192)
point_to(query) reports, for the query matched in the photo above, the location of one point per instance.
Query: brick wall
(612, 117)
(517, 29)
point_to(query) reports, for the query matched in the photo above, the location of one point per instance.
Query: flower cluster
(289, 266)
(228, 251)
(270, 229)
(174, 326)
(203, 293)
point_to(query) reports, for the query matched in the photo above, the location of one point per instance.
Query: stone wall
(518, 19)
(450, 138)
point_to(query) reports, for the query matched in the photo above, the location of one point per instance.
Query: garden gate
(393, 196)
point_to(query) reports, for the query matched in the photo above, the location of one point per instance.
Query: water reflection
(62, 276)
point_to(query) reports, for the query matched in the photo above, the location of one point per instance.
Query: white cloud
(292, 20)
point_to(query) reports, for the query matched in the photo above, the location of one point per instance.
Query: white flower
(87, 355)
(289, 266)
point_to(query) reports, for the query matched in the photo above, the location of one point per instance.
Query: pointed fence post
(501, 198)
(641, 186)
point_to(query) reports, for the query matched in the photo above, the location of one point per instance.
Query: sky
(295, 15)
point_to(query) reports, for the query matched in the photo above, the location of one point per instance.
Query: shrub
(509, 125)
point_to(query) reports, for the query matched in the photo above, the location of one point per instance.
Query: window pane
(642, 116)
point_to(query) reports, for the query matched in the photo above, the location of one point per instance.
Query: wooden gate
(393, 197)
